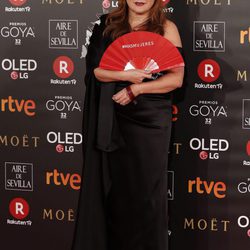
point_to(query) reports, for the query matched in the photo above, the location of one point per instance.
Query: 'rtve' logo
(14, 105)
(19, 208)
(207, 187)
(209, 70)
(63, 67)
(17, 2)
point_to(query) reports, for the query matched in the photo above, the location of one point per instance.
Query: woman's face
(140, 6)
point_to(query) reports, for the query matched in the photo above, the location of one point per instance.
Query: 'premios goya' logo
(64, 105)
(17, 31)
(208, 110)
(63, 34)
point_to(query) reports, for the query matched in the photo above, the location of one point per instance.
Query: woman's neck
(136, 19)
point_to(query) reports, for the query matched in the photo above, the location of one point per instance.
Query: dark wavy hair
(117, 21)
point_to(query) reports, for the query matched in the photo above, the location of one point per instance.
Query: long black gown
(123, 199)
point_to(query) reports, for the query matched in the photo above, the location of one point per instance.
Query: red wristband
(130, 93)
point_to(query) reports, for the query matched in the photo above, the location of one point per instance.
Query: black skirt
(137, 213)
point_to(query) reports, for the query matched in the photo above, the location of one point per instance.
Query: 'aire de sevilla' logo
(19, 209)
(208, 71)
(209, 148)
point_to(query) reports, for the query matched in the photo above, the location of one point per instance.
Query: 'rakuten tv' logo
(63, 67)
(247, 161)
(17, 2)
(209, 148)
(19, 208)
(218, 189)
(14, 105)
(209, 71)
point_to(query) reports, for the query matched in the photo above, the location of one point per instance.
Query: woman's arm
(133, 75)
(166, 83)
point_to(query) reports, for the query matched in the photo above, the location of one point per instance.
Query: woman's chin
(140, 11)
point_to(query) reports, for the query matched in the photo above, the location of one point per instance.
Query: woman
(123, 200)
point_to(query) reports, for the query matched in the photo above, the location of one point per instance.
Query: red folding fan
(141, 50)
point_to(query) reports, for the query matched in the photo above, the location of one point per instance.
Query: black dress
(123, 199)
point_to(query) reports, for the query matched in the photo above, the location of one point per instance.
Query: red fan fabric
(141, 50)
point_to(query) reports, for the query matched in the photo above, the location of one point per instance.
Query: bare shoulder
(171, 32)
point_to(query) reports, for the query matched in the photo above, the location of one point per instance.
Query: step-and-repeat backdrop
(43, 45)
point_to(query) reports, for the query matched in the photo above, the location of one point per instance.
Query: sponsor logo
(205, 225)
(19, 68)
(243, 222)
(242, 75)
(63, 34)
(209, 71)
(64, 105)
(209, 36)
(19, 209)
(208, 110)
(21, 106)
(209, 148)
(17, 6)
(209, 2)
(175, 148)
(65, 142)
(18, 176)
(17, 2)
(16, 141)
(60, 179)
(246, 113)
(245, 36)
(63, 68)
(17, 31)
(51, 214)
(244, 186)
(247, 162)
(218, 189)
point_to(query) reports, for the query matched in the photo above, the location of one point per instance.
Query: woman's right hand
(136, 75)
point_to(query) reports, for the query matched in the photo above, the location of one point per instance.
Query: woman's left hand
(122, 96)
